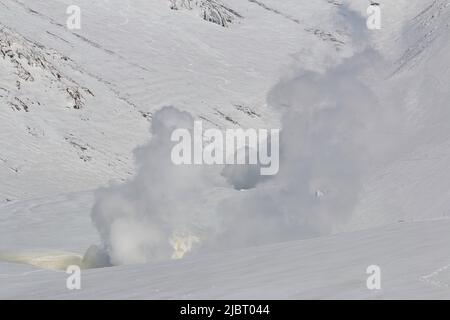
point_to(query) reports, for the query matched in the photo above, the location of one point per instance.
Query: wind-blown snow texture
(364, 144)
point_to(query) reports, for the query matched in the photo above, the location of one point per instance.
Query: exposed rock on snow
(210, 10)
(31, 62)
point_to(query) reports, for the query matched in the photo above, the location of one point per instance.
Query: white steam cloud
(332, 134)
(160, 213)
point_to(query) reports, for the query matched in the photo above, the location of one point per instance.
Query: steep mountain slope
(99, 85)
(415, 184)
(75, 104)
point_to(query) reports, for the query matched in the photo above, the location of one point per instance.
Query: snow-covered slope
(415, 184)
(413, 258)
(89, 102)
(74, 104)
